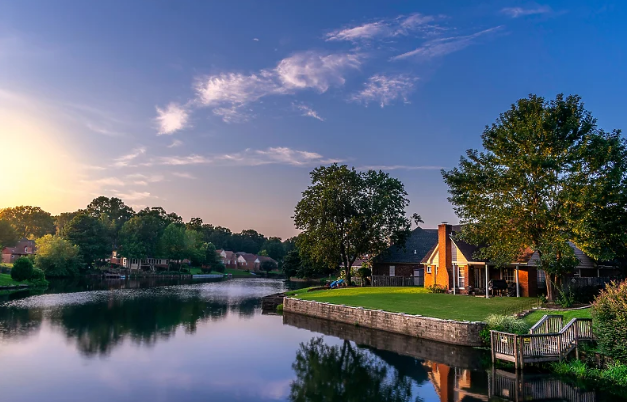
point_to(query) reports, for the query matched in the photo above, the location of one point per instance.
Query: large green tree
(174, 244)
(64, 218)
(275, 248)
(8, 235)
(139, 237)
(212, 259)
(91, 236)
(547, 176)
(29, 222)
(57, 257)
(345, 214)
(113, 213)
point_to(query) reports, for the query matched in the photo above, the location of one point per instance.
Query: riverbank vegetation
(417, 300)
(89, 236)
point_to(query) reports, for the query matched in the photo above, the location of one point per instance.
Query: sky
(220, 110)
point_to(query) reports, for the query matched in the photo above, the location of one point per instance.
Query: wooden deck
(548, 340)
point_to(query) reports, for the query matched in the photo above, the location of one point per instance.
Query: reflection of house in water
(456, 384)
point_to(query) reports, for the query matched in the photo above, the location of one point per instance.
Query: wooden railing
(548, 324)
(541, 346)
(384, 280)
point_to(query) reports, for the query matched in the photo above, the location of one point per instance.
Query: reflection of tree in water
(344, 373)
(98, 326)
(16, 322)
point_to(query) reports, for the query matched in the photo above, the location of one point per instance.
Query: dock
(547, 341)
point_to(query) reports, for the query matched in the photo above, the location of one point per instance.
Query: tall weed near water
(609, 312)
(507, 323)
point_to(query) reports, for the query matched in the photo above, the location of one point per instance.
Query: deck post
(559, 346)
(492, 347)
(516, 354)
(487, 292)
(576, 340)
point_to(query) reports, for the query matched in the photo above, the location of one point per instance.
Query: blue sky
(221, 109)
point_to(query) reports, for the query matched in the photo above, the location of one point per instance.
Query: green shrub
(507, 323)
(22, 269)
(364, 272)
(436, 288)
(609, 312)
(615, 374)
(37, 275)
(279, 309)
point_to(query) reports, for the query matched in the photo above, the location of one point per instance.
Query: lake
(184, 341)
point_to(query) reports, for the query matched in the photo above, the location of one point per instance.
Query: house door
(419, 278)
(479, 278)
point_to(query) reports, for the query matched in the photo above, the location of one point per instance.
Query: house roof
(19, 247)
(417, 246)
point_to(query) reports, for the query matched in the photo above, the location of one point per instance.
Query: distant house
(23, 248)
(145, 264)
(451, 263)
(229, 259)
(248, 261)
(406, 261)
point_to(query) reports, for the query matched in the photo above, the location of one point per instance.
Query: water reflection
(210, 341)
(345, 373)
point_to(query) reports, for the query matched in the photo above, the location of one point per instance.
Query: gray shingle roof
(416, 247)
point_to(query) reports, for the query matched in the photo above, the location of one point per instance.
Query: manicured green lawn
(5, 280)
(416, 300)
(568, 315)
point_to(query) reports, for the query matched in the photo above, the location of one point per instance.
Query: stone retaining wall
(448, 331)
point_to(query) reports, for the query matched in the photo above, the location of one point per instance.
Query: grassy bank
(5, 280)
(615, 375)
(567, 314)
(416, 300)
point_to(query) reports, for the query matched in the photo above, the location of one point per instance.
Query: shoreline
(464, 333)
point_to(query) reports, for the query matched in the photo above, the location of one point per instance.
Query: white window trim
(428, 269)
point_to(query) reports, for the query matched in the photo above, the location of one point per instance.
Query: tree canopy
(8, 235)
(57, 257)
(345, 214)
(29, 222)
(547, 176)
(90, 235)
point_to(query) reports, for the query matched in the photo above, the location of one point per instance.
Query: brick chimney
(445, 262)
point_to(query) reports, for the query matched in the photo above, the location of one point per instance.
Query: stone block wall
(448, 331)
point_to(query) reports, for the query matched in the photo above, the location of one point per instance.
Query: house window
(428, 269)
(541, 277)
(461, 282)
(392, 270)
(508, 275)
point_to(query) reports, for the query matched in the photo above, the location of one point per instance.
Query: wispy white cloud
(171, 119)
(251, 157)
(103, 130)
(125, 160)
(105, 181)
(400, 167)
(443, 46)
(516, 12)
(133, 195)
(384, 89)
(386, 28)
(175, 143)
(143, 180)
(184, 175)
(316, 70)
(307, 110)
(256, 39)
(233, 114)
(228, 93)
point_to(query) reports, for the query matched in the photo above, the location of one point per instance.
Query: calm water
(135, 341)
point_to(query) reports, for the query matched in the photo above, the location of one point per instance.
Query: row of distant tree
(107, 224)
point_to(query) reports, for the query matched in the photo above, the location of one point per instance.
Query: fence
(585, 282)
(384, 280)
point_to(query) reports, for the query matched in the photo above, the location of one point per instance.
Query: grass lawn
(568, 315)
(5, 280)
(416, 300)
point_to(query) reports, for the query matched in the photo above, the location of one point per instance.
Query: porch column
(454, 277)
(517, 290)
(487, 292)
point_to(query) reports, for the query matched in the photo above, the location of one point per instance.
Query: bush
(38, 279)
(507, 323)
(22, 269)
(609, 312)
(279, 309)
(364, 272)
(436, 288)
